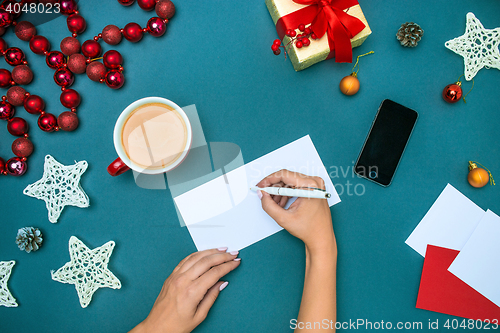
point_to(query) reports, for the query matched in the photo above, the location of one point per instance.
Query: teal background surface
(216, 54)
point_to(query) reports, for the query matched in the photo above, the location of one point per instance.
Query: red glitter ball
(77, 63)
(165, 9)
(25, 30)
(70, 45)
(22, 147)
(22, 75)
(16, 95)
(111, 34)
(17, 126)
(96, 71)
(132, 32)
(68, 121)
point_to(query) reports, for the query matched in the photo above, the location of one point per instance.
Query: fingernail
(222, 286)
(222, 249)
(259, 194)
(237, 259)
(234, 253)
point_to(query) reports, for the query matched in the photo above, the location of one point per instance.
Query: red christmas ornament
(3, 46)
(5, 18)
(34, 104)
(132, 32)
(68, 121)
(16, 166)
(111, 34)
(63, 77)
(70, 45)
(77, 63)
(156, 27)
(147, 5)
(126, 2)
(2, 166)
(68, 7)
(22, 147)
(112, 59)
(70, 98)
(7, 111)
(25, 30)
(55, 59)
(96, 71)
(17, 126)
(5, 78)
(91, 48)
(14, 56)
(114, 79)
(47, 122)
(76, 23)
(22, 75)
(165, 9)
(16, 95)
(453, 92)
(39, 45)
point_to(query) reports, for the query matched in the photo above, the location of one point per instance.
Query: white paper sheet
(224, 212)
(478, 263)
(449, 223)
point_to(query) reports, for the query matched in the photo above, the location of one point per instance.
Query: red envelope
(441, 291)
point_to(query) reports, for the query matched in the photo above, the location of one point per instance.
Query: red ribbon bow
(326, 17)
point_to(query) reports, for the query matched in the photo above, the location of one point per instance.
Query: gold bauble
(478, 177)
(349, 85)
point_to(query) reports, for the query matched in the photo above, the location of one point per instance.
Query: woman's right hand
(307, 219)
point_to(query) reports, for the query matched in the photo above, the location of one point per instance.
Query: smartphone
(386, 142)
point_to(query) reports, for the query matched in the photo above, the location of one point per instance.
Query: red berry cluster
(300, 40)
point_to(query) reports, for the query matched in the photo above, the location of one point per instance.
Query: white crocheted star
(59, 187)
(87, 270)
(6, 298)
(478, 46)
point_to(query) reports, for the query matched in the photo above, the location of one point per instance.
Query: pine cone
(29, 239)
(410, 34)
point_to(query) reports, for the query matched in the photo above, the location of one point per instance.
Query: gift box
(339, 25)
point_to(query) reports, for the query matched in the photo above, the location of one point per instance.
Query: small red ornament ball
(25, 30)
(112, 59)
(76, 23)
(5, 18)
(156, 27)
(7, 111)
(77, 63)
(147, 5)
(70, 98)
(16, 95)
(126, 2)
(68, 7)
(3, 45)
(69, 46)
(165, 9)
(16, 166)
(22, 75)
(2, 166)
(96, 71)
(17, 126)
(39, 44)
(91, 49)
(452, 93)
(63, 77)
(47, 122)
(133, 32)
(114, 79)
(55, 59)
(34, 104)
(5, 78)
(22, 147)
(14, 56)
(111, 34)
(68, 121)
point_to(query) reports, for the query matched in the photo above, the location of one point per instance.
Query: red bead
(452, 93)
(126, 2)
(91, 49)
(5, 18)
(22, 147)
(22, 75)
(17, 126)
(16, 166)
(7, 110)
(3, 46)
(68, 7)
(14, 56)
(302, 27)
(25, 30)
(299, 44)
(114, 79)
(47, 122)
(39, 44)
(70, 98)
(2, 165)
(111, 34)
(68, 121)
(96, 71)
(63, 77)
(16, 95)
(112, 59)
(132, 32)
(5, 78)
(70, 45)
(34, 104)
(156, 27)
(55, 59)
(76, 23)
(147, 5)
(165, 9)
(77, 63)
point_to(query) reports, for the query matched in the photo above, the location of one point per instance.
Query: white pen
(315, 193)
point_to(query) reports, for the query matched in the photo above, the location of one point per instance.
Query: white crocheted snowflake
(87, 270)
(478, 46)
(6, 298)
(59, 187)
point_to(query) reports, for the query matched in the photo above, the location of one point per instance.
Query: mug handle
(117, 167)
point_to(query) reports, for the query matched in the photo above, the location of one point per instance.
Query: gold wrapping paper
(319, 49)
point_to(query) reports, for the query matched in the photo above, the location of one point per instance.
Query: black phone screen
(386, 142)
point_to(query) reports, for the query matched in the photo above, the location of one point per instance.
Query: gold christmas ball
(349, 85)
(478, 177)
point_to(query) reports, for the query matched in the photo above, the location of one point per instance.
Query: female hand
(189, 292)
